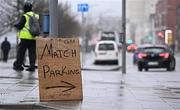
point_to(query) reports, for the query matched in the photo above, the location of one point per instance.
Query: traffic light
(129, 41)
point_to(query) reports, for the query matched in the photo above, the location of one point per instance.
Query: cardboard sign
(59, 69)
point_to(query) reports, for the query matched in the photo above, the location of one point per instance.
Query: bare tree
(7, 14)
(68, 26)
(11, 10)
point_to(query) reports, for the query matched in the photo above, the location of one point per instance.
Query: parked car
(156, 57)
(131, 47)
(106, 51)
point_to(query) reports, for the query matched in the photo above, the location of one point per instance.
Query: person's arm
(21, 23)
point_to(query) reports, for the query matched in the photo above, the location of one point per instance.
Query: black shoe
(30, 69)
(18, 68)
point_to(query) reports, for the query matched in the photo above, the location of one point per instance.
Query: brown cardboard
(59, 69)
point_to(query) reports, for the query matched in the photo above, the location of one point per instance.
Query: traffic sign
(83, 7)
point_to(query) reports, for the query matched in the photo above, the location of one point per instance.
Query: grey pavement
(177, 54)
(102, 90)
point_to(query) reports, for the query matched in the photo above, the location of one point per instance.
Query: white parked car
(106, 51)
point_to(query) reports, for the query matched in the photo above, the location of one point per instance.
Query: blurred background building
(139, 24)
(167, 17)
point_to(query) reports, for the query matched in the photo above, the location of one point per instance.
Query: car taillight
(142, 55)
(165, 55)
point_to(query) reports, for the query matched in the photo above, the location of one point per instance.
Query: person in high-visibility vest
(27, 41)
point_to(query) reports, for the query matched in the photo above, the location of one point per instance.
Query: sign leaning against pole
(59, 69)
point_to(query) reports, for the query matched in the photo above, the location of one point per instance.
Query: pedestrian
(27, 40)
(5, 46)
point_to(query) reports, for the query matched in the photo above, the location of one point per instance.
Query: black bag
(34, 27)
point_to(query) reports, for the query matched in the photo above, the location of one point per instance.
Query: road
(156, 89)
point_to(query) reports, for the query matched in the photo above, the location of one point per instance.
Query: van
(106, 51)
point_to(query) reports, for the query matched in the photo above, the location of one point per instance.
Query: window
(155, 50)
(103, 47)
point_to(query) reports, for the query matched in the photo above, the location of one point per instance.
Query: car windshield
(103, 47)
(154, 49)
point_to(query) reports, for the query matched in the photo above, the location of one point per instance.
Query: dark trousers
(24, 45)
(5, 55)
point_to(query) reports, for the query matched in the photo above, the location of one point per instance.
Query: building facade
(138, 13)
(167, 17)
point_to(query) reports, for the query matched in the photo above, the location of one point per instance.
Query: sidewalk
(178, 54)
(102, 90)
(17, 87)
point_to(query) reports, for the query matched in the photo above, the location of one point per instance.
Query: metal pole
(84, 40)
(53, 12)
(124, 33)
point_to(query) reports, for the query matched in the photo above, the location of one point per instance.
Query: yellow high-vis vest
(24, 33)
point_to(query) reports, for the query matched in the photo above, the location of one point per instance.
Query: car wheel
(146, 69)
(96, 62)
(171, 66)
(116, 62)
(140, 68)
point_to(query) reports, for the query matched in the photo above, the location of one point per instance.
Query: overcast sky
(97, 7)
